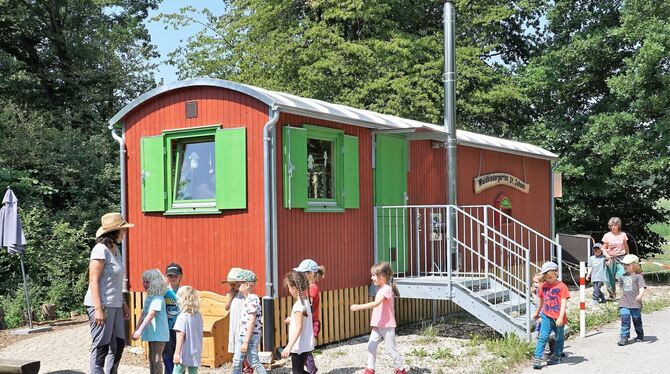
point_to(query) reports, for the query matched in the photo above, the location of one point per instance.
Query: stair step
(476, 284)
(510, 306)
(493, 296)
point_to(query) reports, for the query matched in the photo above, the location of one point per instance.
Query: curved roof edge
(249, 90)
(314, 108)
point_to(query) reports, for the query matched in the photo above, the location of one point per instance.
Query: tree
(65, 68)
(600, 93)
(383, 56)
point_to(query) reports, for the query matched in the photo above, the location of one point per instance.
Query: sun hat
(174, 269)
(112, 222)
(245, 276)
(307, 265)
(549, 266)
(630, 259)
(232, 275)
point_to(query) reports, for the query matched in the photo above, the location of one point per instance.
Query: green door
(391, 190)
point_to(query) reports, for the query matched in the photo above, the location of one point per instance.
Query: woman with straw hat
(104, 298)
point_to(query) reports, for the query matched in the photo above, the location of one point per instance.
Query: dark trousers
(168, 352)
(298, 362)
(311, 365)
(598, 294)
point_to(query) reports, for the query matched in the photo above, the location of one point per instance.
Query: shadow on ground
(65, 372)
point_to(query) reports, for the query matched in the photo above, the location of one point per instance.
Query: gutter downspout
(269, 190)
(450, 115)
(122, 170)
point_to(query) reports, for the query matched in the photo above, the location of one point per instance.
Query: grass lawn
(663, 229)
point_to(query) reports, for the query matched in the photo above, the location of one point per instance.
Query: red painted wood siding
(206, 246)
(428, 181)
(427, 177)
(533, 208)
(342, 242)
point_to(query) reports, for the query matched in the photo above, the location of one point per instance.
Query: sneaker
(622, 341)
(554, 360)
(537, 363)
(368, 371)
(400, 371)
(640, 338)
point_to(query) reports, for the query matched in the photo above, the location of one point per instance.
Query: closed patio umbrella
(13, 238)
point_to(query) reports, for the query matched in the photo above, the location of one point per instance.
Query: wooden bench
(215, 329)
(19, 367)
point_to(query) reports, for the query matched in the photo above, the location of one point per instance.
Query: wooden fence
(338, 322)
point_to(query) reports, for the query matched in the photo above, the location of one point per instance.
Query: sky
(168, 40)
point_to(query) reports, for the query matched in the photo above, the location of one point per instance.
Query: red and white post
(582, 299)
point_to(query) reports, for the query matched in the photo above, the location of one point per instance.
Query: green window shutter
(152, 157)
(351, 191)
(231, 168)
(294, 145)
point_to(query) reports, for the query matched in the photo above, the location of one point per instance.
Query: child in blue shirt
(597, 273)
(153, 322)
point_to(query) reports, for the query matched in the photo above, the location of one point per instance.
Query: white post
(582, 299)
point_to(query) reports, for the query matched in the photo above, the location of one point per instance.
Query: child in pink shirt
(382, 319)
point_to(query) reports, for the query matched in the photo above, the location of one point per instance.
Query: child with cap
(552, 303)
(597, 273)
(174, 274)
(249, 324)
(630, 305)
(313, 272)
(234, 305)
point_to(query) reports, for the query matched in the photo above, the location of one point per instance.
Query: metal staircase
(487, 271)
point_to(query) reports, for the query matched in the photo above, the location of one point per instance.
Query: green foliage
(508, 350)
(600, 92)
(419, 352)
(382, 56)
(429, 334)
(65, 68)
(442, 353)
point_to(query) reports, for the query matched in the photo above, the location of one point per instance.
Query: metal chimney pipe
(449, 15)
(450, 97)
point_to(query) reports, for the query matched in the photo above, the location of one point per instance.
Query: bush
(56, 263)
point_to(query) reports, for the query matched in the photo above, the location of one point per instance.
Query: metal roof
(314, 108)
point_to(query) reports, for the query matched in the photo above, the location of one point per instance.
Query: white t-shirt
(191, 326)
(236, 307)
(305, 342)
(111, 279)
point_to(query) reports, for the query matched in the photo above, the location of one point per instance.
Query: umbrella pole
(25, 288)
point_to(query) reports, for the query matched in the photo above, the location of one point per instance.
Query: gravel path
(598, 352)
(61, 352)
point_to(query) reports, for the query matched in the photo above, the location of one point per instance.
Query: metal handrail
(507, 273)
(513, 219)
(490, 228)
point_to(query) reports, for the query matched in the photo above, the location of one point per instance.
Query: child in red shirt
(552, 303)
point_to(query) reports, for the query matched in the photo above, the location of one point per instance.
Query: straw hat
(232, 275)
(112, 222)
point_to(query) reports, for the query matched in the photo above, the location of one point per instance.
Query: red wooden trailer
(218, 174)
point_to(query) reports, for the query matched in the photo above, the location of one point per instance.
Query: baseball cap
(307, 265)
(598, 246)
(174, 269)
(245, 276)
(630, 259)
(549, 266)
(232, 275)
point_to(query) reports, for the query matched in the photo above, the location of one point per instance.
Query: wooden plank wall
(135, 304)
(338, 322)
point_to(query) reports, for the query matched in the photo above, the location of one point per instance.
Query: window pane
(320, 169)
(197, 171)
